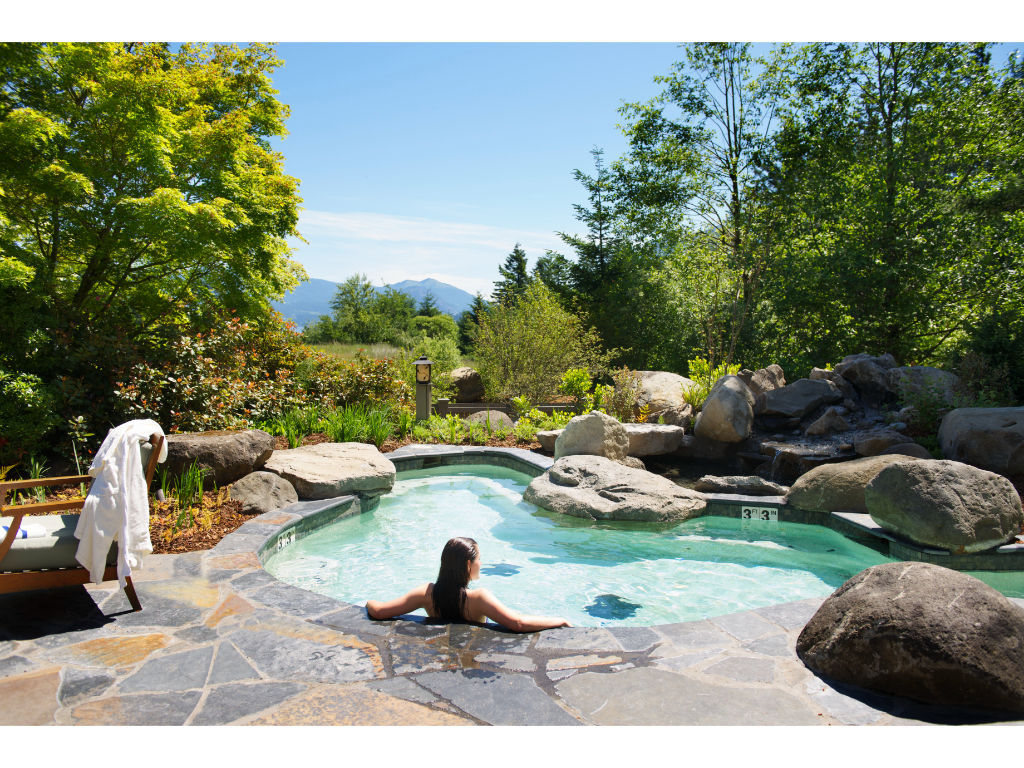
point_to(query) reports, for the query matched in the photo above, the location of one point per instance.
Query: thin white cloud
(358, 225)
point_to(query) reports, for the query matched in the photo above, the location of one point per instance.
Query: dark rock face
(798, 399)
(469, 387)
(263, 492)
(869, 376)
(924, 632)
(990, 438)
(945, 504)
(225, 456)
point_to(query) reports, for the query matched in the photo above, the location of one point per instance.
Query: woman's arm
(417, 598)
(482, 601)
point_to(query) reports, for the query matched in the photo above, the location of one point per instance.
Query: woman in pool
(449, 599)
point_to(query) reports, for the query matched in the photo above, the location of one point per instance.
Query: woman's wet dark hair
(450, 588)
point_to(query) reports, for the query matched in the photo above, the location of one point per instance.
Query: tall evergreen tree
(514, 278)
(428, 306)
(469, 321)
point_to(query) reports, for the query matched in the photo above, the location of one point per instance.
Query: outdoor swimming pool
(594, 574)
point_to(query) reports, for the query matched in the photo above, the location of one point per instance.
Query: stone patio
(219, 641)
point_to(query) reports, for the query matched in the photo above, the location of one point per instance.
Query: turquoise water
(593, 574)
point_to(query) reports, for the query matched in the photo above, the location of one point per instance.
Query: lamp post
(423, 399)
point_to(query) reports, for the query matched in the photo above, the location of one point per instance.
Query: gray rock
(764, 379)
(829, 422)
(907, 449)
(469, 387)
(231, 702)
(822, 374)
(909, 380)
(263, 492)
(334, 469)
(750, 485)
(839, 487)
(662, 392)
(694, 447)
(945, 504)
(798, 399)
(496, 418)
(547, 438)
(728, 412)
(869, 376)
(652, 439)
(224, 455)
(989, 438)
(497, 698)
(675, 417)
(596, 488)
(876, 441)
(593, 434)
(921, 631)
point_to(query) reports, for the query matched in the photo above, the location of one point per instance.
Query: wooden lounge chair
(49, 561)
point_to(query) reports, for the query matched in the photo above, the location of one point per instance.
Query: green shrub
(26, 415)
(576, 384)
(621, 401)
(704, 377)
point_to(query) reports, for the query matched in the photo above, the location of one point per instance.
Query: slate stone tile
(845, 709)
(560, 674)
(409, 655)
(43, 612)
(30, 698)
(296, 658)
(791, 615)
(253, 580)
(652, 696)
(511, 662)
(744, 670)
(238, 542)
(419, 628)
(744, 626)
(353, 620)
(188, 564)
(488, 638)
(696, 634)
(577, 639)
(157, 611)
(496, 697)
(200, 634)
(67, 638)
(175, 672)
(228, 703)
(80, 684)
(403, 688)
(686, 660)
(14, 665)
(293, 600)
(772, 645)
(230, 667)
(138, 709)
(635, 638)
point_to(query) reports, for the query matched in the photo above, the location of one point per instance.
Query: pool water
(593, 574)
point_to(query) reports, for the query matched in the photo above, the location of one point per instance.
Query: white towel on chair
(117, 507)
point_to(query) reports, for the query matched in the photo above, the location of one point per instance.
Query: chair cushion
(54, 550)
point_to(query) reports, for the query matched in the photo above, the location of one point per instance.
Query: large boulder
(989, 438)
(763, 379)
(334, 469)
(829, 422)
(869, 376)
(547, 439)
(838, 487)
(593, 434)
(263, 492)
(798, 399)
(596, 488)
(924, 632)
(945, 504)
(910, 380)
(224, 456)
(496, 419)
(728, 412)
(823, 374)
(469, 387)
(662, 393)
(652, 439)
(910, 448)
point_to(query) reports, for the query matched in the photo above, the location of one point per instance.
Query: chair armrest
(12, 485)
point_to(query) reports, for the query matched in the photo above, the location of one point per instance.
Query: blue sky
(422, 160)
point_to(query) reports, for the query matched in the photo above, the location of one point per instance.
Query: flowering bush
(239, 374)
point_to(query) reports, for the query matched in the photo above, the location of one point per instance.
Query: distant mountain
(311, 299)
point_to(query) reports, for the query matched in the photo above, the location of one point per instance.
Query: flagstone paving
(219, 641)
